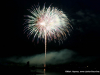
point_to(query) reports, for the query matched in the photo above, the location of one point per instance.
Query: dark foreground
(51, 70)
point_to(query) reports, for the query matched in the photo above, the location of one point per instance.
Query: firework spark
(47, 23)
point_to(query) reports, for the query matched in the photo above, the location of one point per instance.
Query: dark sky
(83, 41)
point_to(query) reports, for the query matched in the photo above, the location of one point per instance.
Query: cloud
(85, 20)
(56, 57)
(80, 13)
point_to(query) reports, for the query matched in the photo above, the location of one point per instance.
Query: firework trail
(47, 23)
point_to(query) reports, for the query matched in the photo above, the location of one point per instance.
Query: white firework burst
(49, 22)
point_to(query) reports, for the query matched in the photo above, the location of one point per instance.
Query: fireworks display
(49, 22)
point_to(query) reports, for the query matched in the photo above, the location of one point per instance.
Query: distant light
(87, 66)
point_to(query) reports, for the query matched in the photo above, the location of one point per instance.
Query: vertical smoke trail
(45, 49)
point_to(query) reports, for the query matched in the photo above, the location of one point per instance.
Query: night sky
(81, 46)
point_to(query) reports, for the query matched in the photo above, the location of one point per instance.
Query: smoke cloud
(56, 57)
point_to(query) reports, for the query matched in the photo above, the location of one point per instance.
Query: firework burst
(49, 22)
